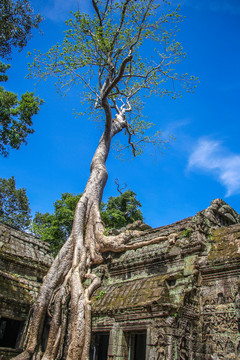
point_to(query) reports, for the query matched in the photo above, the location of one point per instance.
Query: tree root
(62, 312)
(66, 301)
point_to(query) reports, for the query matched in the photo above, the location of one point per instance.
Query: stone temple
(178, 299)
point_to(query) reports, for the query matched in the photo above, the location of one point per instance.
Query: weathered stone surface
(24, 260)
(181, 294)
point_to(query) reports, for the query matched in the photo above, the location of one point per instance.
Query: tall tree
(105, 53)
(16, 22)
(14, 205)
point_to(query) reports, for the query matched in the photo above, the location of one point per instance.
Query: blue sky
(203, 162)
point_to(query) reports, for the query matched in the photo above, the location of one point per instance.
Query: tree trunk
(60, 325)
(64, 301)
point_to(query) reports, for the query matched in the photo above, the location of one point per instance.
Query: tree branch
(97, 11)
(121, 23)
(115, 81)
(141, 26)
(130, 142)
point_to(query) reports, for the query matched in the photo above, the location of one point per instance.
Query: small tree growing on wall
(103, 53)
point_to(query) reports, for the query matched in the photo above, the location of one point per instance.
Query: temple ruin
(24, 260)
(174, 300)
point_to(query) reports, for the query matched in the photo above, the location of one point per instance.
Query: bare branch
(121, 23)
(118, 186)
(97, 11)
(115, 81)
(130, 142)
(141, 26)
(85, 82)
(105, 10)
(115, 106)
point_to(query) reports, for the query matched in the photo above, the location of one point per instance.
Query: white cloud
(178, 124)
(209, 155)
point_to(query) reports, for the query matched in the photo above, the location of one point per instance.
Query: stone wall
(182, 295)
(177, 299)
(24, 260)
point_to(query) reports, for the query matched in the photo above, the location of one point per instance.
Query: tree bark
(62, 312)
(63, 299)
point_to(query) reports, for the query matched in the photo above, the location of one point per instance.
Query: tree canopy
(14, 205)
(15, 115)
(121, 210)
(17, 20)
(105, 54)
(56, 227)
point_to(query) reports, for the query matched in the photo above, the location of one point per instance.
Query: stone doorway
(136, 345)
(99, 346)
(10, 332)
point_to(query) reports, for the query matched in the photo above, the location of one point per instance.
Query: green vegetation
(56, 227)
(121, 210)
(186, 233)
(101, 54)
(14, 205)
(15, 116)
(16, 22)
(100, 295)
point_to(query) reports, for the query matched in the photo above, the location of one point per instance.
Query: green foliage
(186, 233)
(121, 210)
(55, 228)
(106, 54)
(15, 116)
(14, 205)
(101, 294)
(3, 69)
(16, 23)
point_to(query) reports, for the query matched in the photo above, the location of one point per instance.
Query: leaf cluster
(14, 205)
(121, 210)
(56, 227)
(15, 116)
(16, 23)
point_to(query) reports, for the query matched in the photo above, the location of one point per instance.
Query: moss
(224, 245)
(131, 294)
(186, 233)
(86, 283)
(101, 294)
(12, 289)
